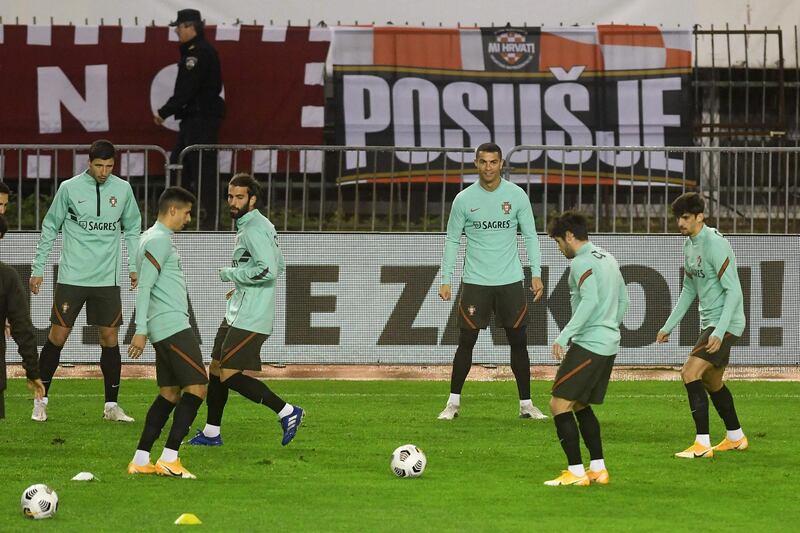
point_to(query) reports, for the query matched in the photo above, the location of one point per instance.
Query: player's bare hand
(537, 288)
(37, 387)
(444, 292)
(158, 120)
(662, 337)
(714, 344)
(137, 346)
(229, 294)
(34, 283)
(557, 351)
(8, 329)
(134, 280)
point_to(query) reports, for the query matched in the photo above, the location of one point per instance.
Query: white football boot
(116, 414)
(450, 412)
(39, 411)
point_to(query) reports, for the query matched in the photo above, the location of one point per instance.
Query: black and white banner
(455, 88)
(372, 298)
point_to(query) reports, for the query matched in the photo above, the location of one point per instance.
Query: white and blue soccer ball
(408, 461)
(39, 501)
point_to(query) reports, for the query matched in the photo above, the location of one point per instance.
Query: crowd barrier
(33, 172)
(371, 298)
(374, 189)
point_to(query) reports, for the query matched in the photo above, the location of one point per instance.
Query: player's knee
(109, 337)
(58, 335)
(516, 336)
(172, 395)
(555, 405)
(468, 337)
(712, 383)
(225, 373)
(689, 374)
(198, 390)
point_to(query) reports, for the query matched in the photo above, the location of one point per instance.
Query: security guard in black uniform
(198, 105)
(14, 308)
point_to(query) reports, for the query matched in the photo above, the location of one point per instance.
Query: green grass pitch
(485, 469)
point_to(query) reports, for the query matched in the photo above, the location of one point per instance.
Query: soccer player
(5, 192)
(90, 210)
(710, 275)
(599, 300)
(14, 308)
(257, 263)
(489, 212)
(162, 315)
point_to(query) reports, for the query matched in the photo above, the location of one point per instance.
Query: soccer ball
(408, 461)
(39, 501)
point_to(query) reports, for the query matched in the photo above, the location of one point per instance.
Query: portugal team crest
(506, 208)
(471, 310)
(65, 307)
(113, 201)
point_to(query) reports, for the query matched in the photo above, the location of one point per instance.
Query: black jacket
(198, 84)
(14, 307)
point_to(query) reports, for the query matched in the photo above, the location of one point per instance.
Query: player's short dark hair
(689, 202)
(174, 196)
(102, 149)
(491, 148)
(3, 226)
(243, 179)
(572, 221)
(4, 188)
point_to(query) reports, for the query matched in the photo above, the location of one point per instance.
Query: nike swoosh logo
(114, 386)
(473, 210)
(81, 201)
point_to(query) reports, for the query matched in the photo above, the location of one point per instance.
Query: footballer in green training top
(709, 274)
(489, 212)
(162, 315)
(90, 210)
(598, 299)
(257, 264)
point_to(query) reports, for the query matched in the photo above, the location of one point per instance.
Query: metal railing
(630, 189)
(340, 188)
(37, 170)
(343, 188)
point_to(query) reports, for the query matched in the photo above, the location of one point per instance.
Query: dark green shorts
(179, 361)
(237, 349)
(583, 376)
(477, 303)
(719, 358)
(103, 305)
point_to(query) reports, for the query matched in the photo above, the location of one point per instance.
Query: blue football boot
(290, 423)
(201, 440)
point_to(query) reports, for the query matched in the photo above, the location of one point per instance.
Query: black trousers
(200, 168)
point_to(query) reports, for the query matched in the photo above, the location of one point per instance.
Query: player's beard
(237, 213)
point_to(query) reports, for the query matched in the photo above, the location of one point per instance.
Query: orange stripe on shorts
(188, 359)
(571, 373)
(237, 347)
(58, 316)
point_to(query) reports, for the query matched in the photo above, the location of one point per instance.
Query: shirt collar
(185, 47)
(244, 219)
(162, 228)
(701, 235)
(585, 249)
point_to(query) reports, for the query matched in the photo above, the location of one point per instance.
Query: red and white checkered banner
(603, 85)
(74, 84)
